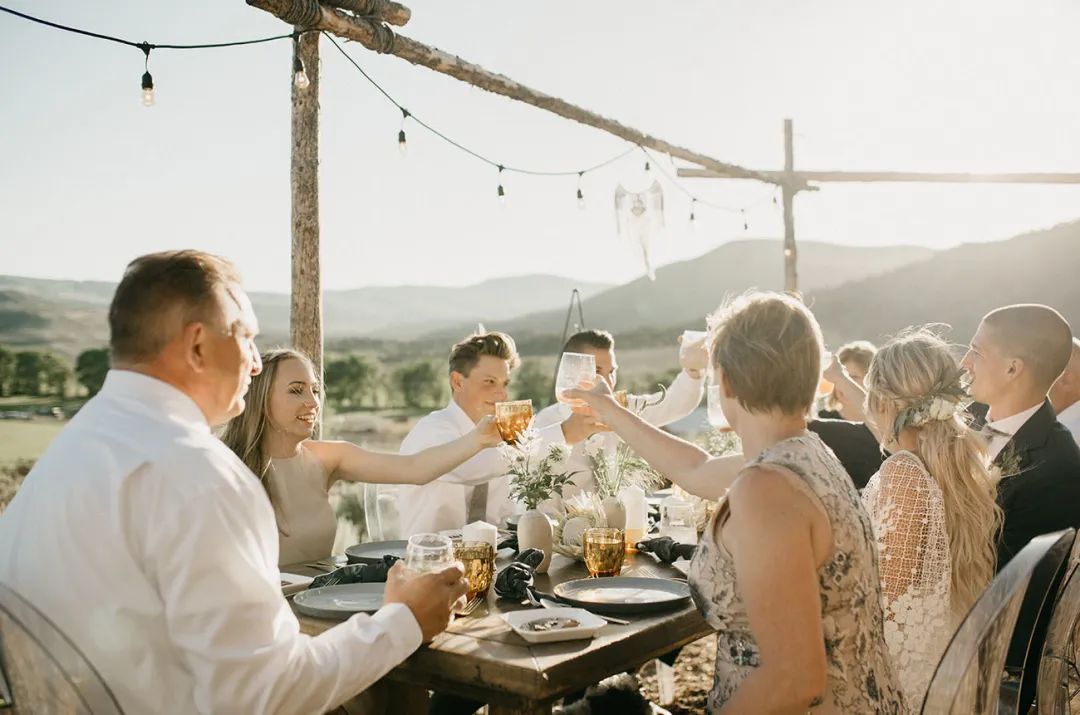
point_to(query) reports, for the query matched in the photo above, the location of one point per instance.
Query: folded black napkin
(510, 542)
(357, 573)
(667, 549)
(513, 580)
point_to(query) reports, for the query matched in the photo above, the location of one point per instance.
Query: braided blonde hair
(915, 383)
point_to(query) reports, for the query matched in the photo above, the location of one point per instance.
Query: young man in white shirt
(151, 545)
(1065, 394)
(480, 367)
(1016, 355)
(659, 409)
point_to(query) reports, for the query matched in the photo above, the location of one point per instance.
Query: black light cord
(146, 46)
(462, 147)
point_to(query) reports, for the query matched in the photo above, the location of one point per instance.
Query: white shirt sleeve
(485, 465)
(683, 396)
(212, 558)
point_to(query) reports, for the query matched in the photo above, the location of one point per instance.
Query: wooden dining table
(481, 658)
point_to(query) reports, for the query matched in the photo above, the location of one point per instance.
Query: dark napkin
(666, 549)
(512, 581)
(509, 542)
(357, 573)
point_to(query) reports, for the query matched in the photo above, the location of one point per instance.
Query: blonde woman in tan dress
(273, 438)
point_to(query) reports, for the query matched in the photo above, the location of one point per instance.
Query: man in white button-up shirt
(678, 401)
(480, 367)
(154, 548)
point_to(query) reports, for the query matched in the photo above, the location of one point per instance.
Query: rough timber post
(306, 316)
(788, 188)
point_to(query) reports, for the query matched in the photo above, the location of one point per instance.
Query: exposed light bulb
(147, 90)
(300, 78)
(401, 145)
(502, 196)
(788, 253)
(580, 200)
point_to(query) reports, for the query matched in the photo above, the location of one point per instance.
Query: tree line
(353, 380)
(40, 373)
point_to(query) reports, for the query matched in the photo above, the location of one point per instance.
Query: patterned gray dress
(860, 675)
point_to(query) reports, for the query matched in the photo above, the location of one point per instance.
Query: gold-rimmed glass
(478, 560)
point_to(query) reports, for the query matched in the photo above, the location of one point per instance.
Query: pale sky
(90, 178)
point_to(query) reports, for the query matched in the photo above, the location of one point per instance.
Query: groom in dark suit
(1014, 358)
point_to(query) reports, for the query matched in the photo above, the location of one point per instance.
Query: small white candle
(481, 531)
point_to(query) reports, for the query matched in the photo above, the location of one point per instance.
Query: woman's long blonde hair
(915, 382)
(244, 433)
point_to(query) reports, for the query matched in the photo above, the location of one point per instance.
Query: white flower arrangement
(623, 469)
(938, 407)
(535, 472)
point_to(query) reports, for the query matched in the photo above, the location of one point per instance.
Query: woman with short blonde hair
(786, 571)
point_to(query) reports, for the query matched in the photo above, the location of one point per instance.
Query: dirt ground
(693, 678)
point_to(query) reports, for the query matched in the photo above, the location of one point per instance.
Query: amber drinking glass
(605, 549)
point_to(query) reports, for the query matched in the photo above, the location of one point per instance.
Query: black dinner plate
(373, 551)
(624, 594)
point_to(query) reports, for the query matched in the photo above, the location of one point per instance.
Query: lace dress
(908, 516)
(860, 676)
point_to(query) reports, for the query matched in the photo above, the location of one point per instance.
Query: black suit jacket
(1043, 494)
(854, 445)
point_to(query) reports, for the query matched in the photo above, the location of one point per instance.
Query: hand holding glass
(513, 418)
(576, 370)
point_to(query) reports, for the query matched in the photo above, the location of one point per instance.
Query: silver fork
(471, 606)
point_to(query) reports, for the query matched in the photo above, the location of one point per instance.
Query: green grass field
(26, 440)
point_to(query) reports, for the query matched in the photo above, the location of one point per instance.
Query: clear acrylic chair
(381, 510)
(41, 670)
(968, 677)
(1059, 676)
(1022, 660)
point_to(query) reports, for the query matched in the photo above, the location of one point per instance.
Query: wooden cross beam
(311, 15)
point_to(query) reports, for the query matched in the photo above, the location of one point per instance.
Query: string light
(300, 78)
(580, 196)
(402, 146)
(647, 167)
(501, 191)
(148, 99)
(745, 223)
(693, 204)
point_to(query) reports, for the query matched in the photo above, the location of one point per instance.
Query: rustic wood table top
(480, 657)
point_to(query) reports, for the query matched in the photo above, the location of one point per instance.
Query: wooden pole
(385, 10)
(378, 37)
(306, 316)
(788, 190)
(900, 177)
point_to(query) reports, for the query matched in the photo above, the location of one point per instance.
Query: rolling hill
(69, 316)
(683, 293)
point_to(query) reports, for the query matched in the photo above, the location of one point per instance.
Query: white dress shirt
(152, 546)
(442, 504)
(683, 396)
(1070, 417)
(1004, 430)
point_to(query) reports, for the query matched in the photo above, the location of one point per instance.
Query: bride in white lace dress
(931, 505)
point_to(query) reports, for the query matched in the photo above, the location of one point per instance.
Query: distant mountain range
(69, 316)
(958, 287)
(683, 293)
(855, 292)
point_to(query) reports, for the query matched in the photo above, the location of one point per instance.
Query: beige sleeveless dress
(306, 522)
(860, 674)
